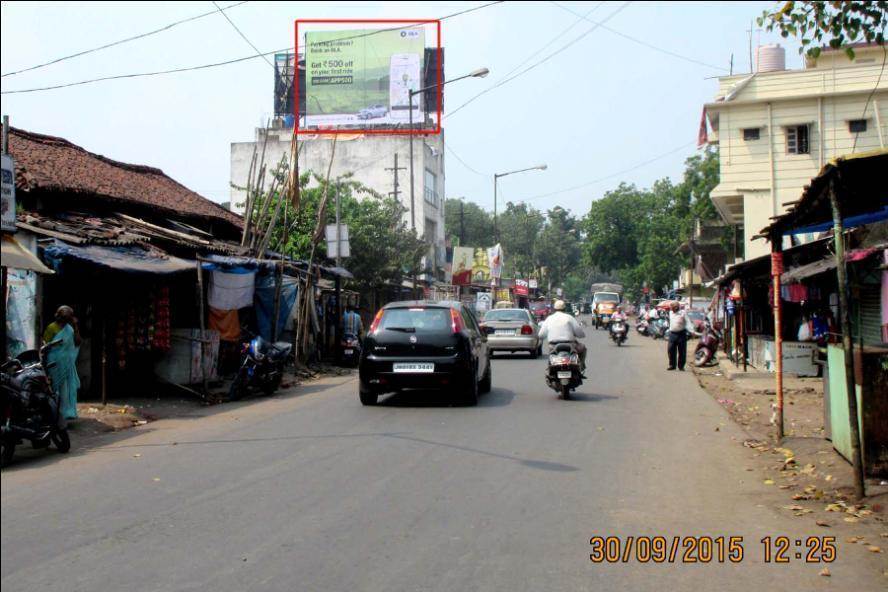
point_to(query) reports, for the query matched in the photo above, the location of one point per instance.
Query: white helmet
(559, 305)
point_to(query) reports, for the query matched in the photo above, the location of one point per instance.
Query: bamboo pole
(776, 271)
(845, 314)
(203, 332)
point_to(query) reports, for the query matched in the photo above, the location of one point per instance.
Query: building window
(857, 126)
(797, 140)
(751, 133)
(430, 188)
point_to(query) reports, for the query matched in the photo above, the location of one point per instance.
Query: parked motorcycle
(618, 330)
(563, 373)
(351, 350)
(31, 409)
(660, 327)
(707, 345)
(262, 365)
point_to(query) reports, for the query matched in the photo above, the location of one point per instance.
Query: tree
(558, 246)
(383, 249)
(519, 226)
(841, 23)
(467, 222)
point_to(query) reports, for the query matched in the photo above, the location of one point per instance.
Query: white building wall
(824, 98)
(366, 158)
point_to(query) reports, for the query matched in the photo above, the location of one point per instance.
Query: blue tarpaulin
(126, 259)
(264, 301)
(849, 222)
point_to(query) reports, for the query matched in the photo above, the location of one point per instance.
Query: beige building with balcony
(776, 128)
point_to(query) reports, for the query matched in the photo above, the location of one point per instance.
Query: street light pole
(496, 176)
(479, 73)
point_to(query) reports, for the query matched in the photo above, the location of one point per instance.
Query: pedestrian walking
(678, 337)
(62, 359)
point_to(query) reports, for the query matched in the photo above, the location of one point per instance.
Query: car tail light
(527, 330)
(375, 324)
(456, 323)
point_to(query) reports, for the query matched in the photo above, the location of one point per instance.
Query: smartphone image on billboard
(404, 76)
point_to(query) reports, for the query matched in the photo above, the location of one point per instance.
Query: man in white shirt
(560, 327)
(678, 337)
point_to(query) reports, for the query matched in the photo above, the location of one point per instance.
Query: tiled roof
(55, 164)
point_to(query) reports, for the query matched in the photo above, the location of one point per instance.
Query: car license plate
(564, 375)
(504, 332)
(349, 352)
(413, 367)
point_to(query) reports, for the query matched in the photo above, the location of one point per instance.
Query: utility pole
(338, 281)
(395, 170)
(462, 227)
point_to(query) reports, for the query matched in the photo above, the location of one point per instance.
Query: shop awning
(18, 257)
(127, 259)
(805, 271)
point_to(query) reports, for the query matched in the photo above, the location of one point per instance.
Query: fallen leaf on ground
(784, 486)
(874, 549)
(851, 519)
(823, 523)
(157, 479)
(853, 539)
(793, 508)
(769, 482)
(825, 572)
(137, 455)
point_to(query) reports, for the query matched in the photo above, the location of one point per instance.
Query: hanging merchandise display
(143, 324)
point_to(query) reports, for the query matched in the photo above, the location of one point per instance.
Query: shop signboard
(521, 287)
(8, 188)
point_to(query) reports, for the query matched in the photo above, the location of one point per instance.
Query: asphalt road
(311, 491)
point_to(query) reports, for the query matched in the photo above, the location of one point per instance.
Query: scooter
(642, 326)
(31, 409)
(618, 331)
(262, 365)
(659, 328)
(708, 344)
(351, 350)
(563, 372)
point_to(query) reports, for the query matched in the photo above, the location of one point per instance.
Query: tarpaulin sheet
(127, 259)
(264, 300)
(16, 256)
(230, 291)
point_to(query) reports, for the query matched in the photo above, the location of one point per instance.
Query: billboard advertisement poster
(521, 287)
(480, 267)
(495, 260)
(363, 76)
(533, 283)
(462, 266)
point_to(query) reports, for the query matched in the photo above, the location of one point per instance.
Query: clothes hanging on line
(230, 291)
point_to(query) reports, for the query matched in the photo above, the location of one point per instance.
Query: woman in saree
(63, 373)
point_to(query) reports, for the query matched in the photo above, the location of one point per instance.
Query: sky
(604, 110)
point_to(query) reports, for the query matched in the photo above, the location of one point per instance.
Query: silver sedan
(512, 330)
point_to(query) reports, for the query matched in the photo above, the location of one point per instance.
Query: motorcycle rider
(560, 327)
(620, 315)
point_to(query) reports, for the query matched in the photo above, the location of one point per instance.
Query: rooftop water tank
(770, 58)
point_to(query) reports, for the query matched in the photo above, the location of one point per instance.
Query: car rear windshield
(416, 320)
(604, 297)
(506, 315)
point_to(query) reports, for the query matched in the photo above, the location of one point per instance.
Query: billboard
(363, 77)
(521, 287)
(462, 266)
(480, 267)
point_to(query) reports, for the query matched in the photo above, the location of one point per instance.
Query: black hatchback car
(425, 344)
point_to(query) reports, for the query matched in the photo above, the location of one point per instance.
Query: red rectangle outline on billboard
(419, 132)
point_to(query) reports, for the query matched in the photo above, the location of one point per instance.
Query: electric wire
(122, 41)
(244, 37)
(542, 61)
(218, 64)
(639, 41)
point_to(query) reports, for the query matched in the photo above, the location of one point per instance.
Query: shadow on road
(588, 398)
(498, 397)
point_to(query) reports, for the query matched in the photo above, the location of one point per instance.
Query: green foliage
(383, 249)
(557, 248)
(519, 226)
(841, 23)
(635, 233)
(469, 222)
